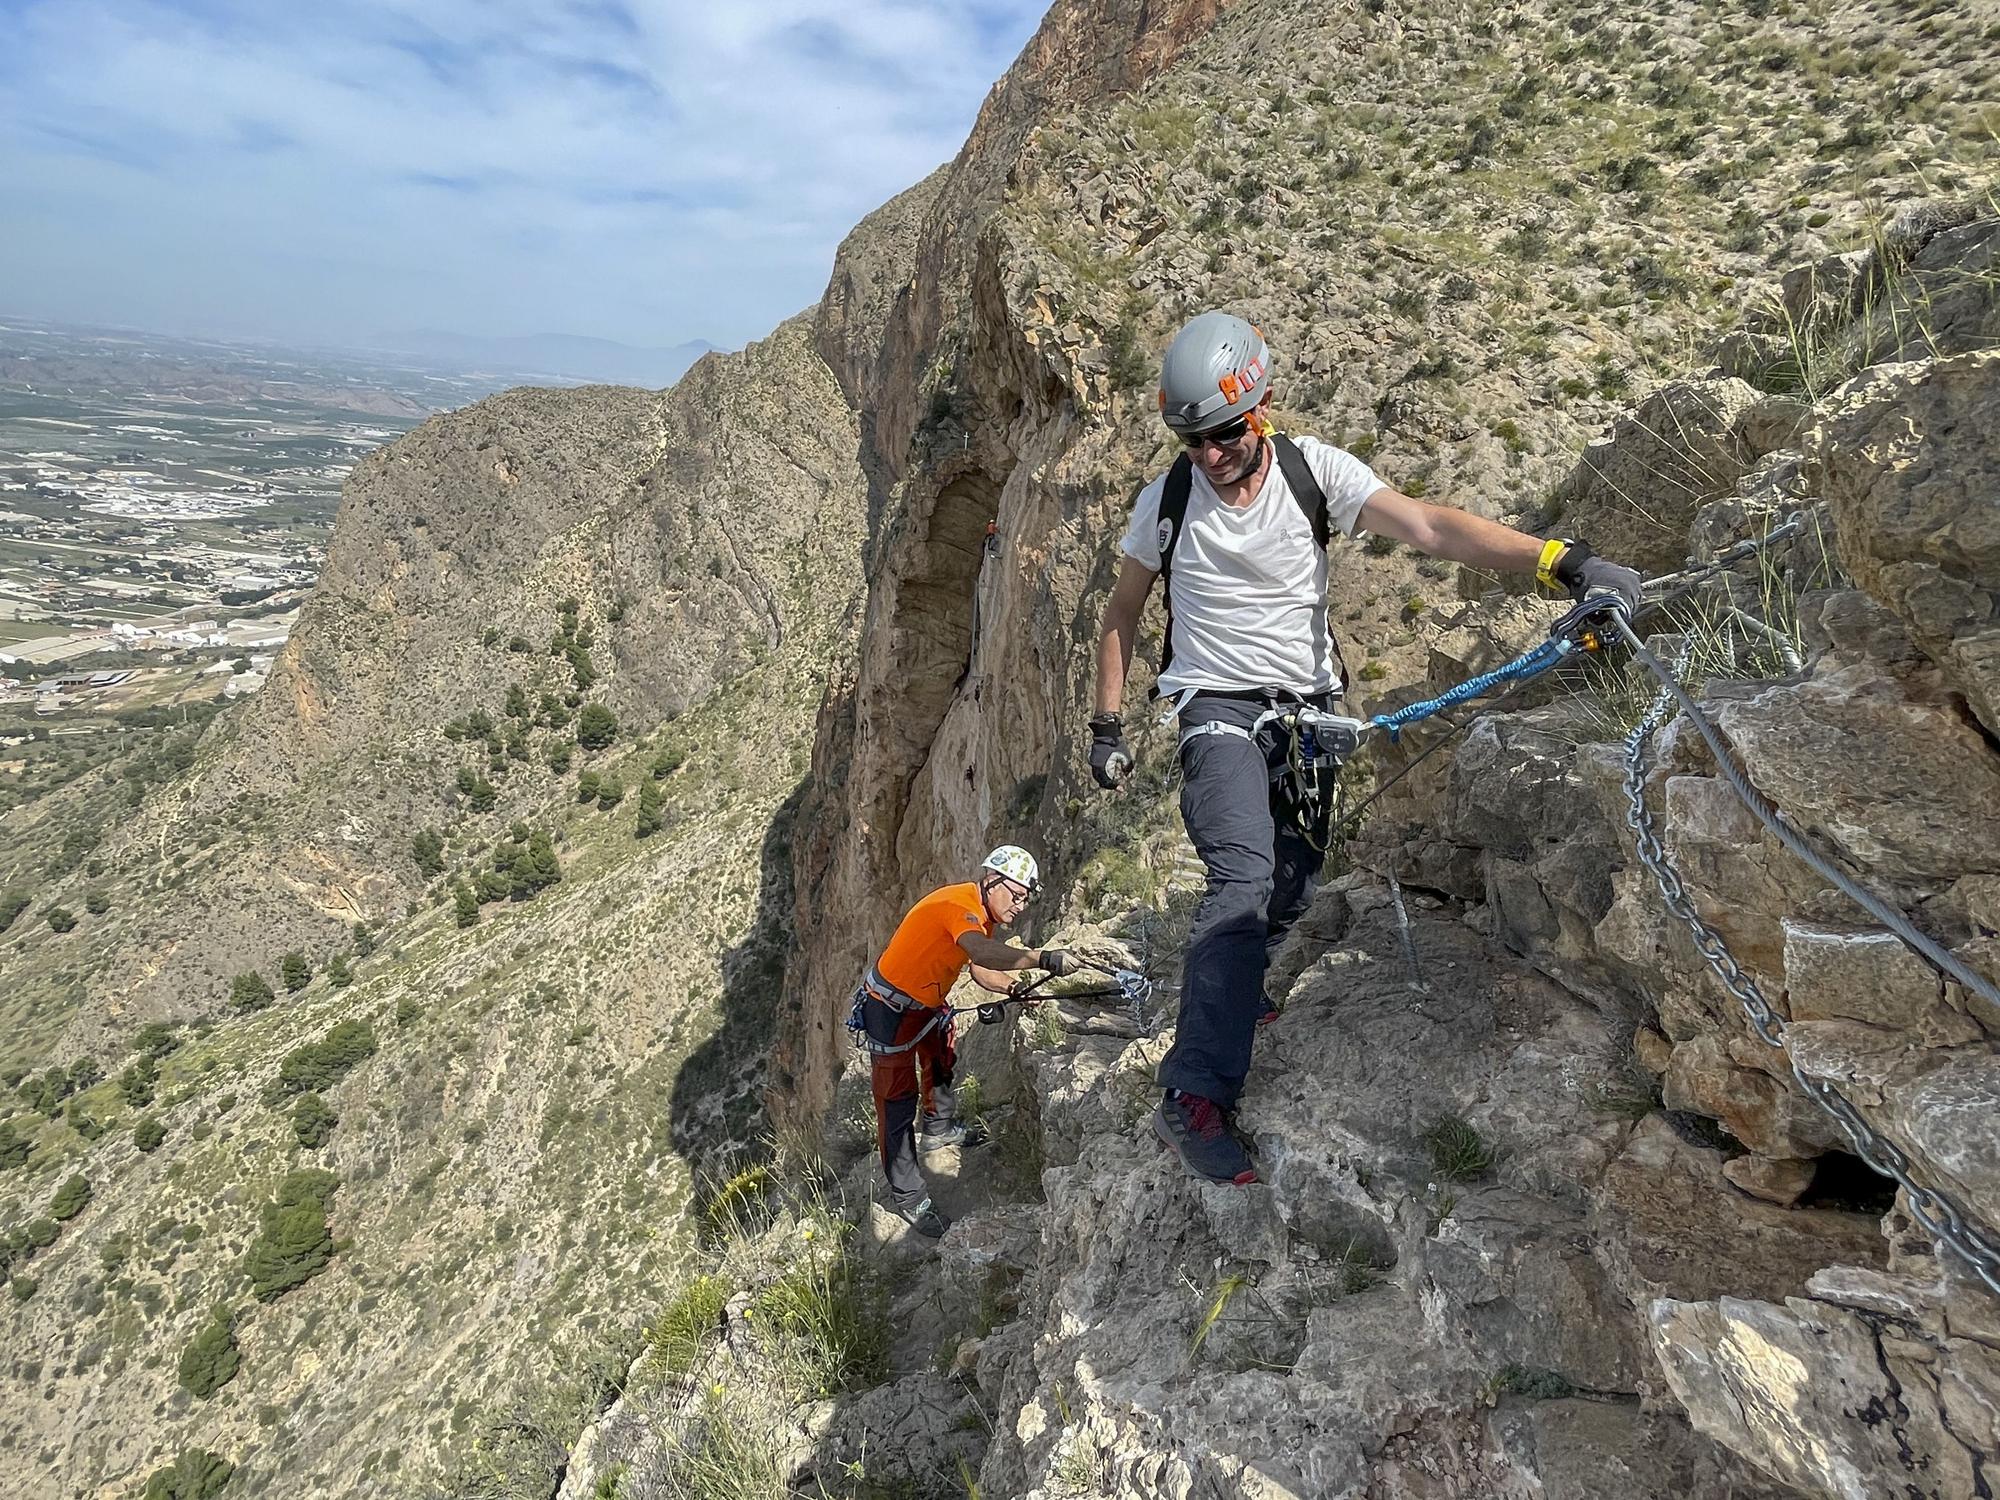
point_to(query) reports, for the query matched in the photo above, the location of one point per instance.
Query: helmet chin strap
(1256, 459)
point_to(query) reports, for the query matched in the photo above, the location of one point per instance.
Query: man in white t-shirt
(1240, 527)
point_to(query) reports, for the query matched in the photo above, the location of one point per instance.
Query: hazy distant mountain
(560, 354)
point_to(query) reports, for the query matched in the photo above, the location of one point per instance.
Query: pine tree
(596, 726)
(650, 821)
(466, 905)
(210, 1361)
(337, 972)
(70, 1199)
(427, 849)
(295, 971)
(313, 1121)
(250, 992)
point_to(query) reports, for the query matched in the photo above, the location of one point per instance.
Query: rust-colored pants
(904, 1081)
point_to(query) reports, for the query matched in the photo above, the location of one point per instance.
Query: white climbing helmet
(1017, 864)
(1216, 369)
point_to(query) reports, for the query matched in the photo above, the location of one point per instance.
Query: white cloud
(649, 171)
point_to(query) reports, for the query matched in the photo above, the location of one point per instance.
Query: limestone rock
(1635, 490)
(1777, 1180)
(1922, 800)
(1922, 536)
(1832, 1400)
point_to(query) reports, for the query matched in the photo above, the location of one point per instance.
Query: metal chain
(1941, 1218)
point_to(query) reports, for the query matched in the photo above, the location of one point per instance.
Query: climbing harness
(1941, 1218)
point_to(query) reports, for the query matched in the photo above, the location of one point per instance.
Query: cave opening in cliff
(1844, 1181)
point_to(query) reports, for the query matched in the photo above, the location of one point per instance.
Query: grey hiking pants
(1236, 803)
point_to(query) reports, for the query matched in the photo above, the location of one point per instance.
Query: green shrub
(196, 1475)
(96, 902)
(558, 755)
(250, 992)
(313, 1121)
(14, 1147)
(211, 1360)
(47, 1092)
(318, 1066)
(23, 1287)
(61, 918)
(338, 974)
(70, 1198)
(596, 726)
(137, 1081)
(77, 1115)
(427, 849)
(609, 793)
(293, 1243)
(587, 786)
(148, 1133)
(465, 905)
(12, 904)
(650, 819)
(155, 1039)
(669, 760)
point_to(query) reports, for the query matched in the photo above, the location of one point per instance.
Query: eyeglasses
(1021, 893)
(1223, 436)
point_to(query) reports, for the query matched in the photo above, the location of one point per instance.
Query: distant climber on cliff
(906, 1022)
(1239, 528)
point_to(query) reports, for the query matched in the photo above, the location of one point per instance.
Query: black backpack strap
(1173, 511)
(1304, 487)
(1312, 500)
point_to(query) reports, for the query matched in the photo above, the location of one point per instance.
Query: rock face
(1920, 535)
(1359, 1324)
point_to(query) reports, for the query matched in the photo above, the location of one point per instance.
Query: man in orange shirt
(907, 1022)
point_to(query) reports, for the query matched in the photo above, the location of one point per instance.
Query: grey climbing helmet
(1216, 370)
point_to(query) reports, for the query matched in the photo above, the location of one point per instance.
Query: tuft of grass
(726, 1458)
(829, 1318)
(1458, 1152)
(1218, 1303)
(681, 1335)
(741, 1204)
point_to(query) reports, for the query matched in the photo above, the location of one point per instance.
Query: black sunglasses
(1229, 432)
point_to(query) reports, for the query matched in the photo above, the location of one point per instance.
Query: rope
(1684, 583)
(1520, 669)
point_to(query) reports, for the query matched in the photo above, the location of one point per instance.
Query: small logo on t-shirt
(1166, 535)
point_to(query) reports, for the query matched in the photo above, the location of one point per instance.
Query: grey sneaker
(1195, 1128)
(926, 1220)
(937, 1135)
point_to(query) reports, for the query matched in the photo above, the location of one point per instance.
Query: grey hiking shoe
(926, 1220)
(1195, 1128)
(937, 1135)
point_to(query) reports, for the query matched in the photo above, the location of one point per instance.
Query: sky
(650, 171)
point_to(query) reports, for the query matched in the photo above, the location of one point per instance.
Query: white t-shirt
(1249, 584)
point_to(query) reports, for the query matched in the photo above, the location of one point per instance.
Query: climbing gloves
(1574, 567)
(1110, 761)
(1058, 962)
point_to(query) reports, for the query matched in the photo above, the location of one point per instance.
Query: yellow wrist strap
(1552, 551)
